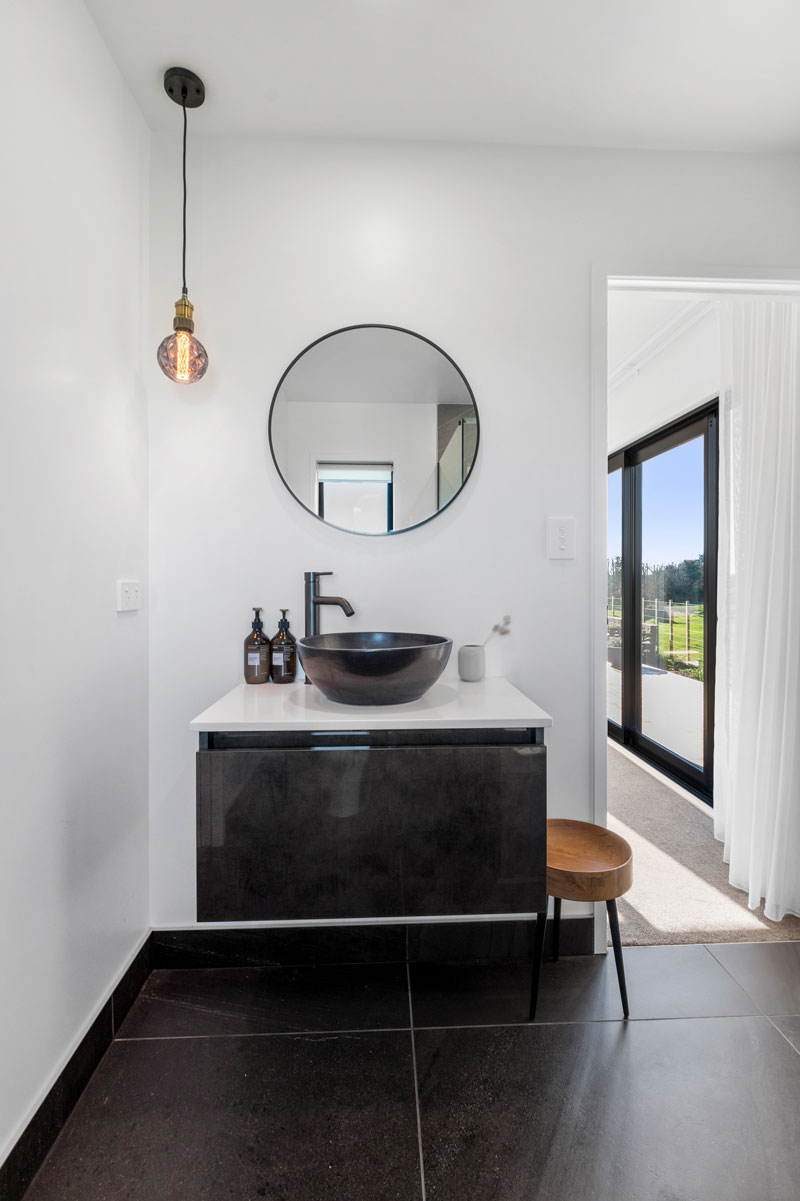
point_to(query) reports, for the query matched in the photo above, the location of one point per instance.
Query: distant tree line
(678, 582)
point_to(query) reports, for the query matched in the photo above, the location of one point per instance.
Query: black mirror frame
(402, 330)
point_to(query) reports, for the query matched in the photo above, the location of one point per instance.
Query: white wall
(488, 252)
(73, 475)
(401, 434)
(684, 375)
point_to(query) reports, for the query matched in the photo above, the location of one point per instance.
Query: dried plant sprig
(502, 627)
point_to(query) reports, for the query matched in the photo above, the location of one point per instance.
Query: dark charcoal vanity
(309, 811)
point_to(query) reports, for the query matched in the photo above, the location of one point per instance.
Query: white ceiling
(646, 74)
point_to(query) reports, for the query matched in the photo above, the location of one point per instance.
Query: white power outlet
(561, 538)
(129, 595)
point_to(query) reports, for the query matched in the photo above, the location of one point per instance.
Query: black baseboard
(31, 1149)
(447, 942)
(494, 942)
(248, 947)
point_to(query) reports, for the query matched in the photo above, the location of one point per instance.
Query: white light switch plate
(129, 595)
(561, 537)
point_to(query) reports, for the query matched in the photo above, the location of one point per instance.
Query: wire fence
(673, 635)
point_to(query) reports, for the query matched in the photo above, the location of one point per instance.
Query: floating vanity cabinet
(303, 824)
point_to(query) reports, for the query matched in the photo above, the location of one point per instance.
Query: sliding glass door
(661, 608)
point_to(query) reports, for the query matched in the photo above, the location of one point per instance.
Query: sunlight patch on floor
(701, 906)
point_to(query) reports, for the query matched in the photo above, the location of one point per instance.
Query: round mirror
(373, 429)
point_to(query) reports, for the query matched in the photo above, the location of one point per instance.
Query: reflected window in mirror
(374, 399)
(356, 496)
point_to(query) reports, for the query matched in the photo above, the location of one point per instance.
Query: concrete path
(672, 710)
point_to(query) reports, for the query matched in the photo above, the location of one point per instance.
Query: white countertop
(449, 704)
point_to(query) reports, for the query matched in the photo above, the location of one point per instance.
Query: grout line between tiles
(746, 942)
(228, 966)
(733, 978)
(416, 1085)
(162, 1038)
(697, 1017)
(783, 1035)
(523, 1025)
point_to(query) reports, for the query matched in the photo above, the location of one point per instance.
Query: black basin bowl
(374, 668)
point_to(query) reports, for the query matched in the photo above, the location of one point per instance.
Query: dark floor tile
(276, 947)
(643, 1111)
(790, 1029)
(470, 994)
(204, 1001)
(306, 1117)
(663, 982)
(768, 971)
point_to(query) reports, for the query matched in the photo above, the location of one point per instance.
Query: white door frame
(699, 281)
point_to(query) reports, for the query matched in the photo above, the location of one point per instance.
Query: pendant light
(181, 356)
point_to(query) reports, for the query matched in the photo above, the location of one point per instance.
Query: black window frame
(701, 422)
(389, 497)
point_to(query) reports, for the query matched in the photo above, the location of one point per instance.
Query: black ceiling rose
(184, 87)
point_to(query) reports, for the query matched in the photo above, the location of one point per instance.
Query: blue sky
(672, 506)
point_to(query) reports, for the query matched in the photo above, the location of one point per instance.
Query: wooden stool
(584, 863)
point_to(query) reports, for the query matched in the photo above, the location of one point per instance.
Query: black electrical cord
(183, 105)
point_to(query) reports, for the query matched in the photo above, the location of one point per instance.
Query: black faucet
(313, 600)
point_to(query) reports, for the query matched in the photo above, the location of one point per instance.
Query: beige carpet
(680, 891)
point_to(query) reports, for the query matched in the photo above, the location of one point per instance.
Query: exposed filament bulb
(181, 356)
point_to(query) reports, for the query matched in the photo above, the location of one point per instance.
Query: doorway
(657, 390)
(661, 602)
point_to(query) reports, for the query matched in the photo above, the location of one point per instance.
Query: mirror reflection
(374, 429)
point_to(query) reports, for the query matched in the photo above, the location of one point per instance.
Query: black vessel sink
(374, 668)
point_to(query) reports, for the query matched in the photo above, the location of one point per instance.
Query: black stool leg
(538, 954)
(613, 922)
(556, 926)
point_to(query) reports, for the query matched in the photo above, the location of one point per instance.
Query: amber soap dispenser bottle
(283, 653)
(256, 653)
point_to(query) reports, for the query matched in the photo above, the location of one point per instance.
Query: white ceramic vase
(471, 663)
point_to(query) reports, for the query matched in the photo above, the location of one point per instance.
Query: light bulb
(181, 356)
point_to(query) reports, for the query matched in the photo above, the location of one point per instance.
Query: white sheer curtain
(757, 726)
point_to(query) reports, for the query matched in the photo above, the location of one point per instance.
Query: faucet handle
(312, 575)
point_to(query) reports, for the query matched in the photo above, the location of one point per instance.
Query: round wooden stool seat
(586, 862)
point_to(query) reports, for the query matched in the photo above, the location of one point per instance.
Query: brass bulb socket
(183, 315)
